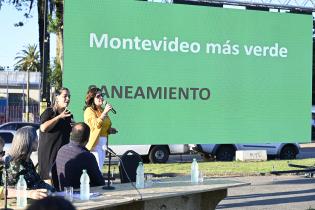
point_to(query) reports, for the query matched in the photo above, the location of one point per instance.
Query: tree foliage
(28, 59)
(56, 75)
(20, 5)
(50, 14)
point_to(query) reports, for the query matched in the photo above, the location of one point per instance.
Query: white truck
(226, 152)
(153, 153)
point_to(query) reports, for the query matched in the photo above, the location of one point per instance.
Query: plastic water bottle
(194, 172)
(140, 176)
(21, 194)
(84, 186)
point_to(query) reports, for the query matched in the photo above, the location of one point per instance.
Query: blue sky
(13, 39)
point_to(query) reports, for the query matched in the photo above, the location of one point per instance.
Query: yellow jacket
(98, 126)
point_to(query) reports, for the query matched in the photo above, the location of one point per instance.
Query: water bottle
(84, 186)
(140, 176)
(194, 172)
(21, 194)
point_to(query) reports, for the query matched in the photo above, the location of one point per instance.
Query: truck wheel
(288, 153)
(207, 157)
(159, 154)
(225, 153)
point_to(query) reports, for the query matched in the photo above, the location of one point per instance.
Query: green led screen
(190, 74)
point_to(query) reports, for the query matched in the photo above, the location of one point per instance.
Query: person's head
(51, 203)
(2, 143)
(24, 143)
(62, 98)
(80, 133)
(94, 98)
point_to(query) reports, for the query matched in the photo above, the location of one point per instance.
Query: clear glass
(148, 180)
(200, 178)
(68, 193)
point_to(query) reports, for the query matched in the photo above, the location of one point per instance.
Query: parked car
(226, 152)
(152, 153)
(16, 125)
(7, 136)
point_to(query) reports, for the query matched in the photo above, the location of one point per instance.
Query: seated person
(72, 158)
(23, 144)
(51, 203)
(33, 194)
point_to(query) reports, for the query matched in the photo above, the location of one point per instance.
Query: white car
(226, 152)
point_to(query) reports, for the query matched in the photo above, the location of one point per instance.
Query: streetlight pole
(28, 95)
(7, 104)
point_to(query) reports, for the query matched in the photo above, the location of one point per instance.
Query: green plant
(56, 75)
(28, 59)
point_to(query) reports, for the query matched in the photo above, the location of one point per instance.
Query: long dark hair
(89, 98)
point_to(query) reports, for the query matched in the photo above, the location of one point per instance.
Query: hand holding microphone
(107, 108)
(110, 108)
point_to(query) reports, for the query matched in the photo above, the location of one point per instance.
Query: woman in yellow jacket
(99, 122)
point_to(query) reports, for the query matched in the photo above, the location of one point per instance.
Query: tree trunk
(44, 43)
(59, 34)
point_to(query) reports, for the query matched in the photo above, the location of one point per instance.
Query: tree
(28, 59)
(44, 44)
(56, 75)
(22, 6)
(56, 27)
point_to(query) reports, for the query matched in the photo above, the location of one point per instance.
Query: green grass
(234, 168)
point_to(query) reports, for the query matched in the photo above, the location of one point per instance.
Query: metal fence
(15, 113)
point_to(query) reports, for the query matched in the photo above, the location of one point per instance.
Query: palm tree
(28, 59)
(56, 27)
(58, 30)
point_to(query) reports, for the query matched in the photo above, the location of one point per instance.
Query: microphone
(109, 150)
(6, 160)
(112, 109)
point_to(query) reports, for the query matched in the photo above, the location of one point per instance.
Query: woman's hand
(49, 124)
(113, 131)
(107, 108)
(65, 113)
(37, 194)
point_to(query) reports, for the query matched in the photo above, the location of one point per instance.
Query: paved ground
(271, 192)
